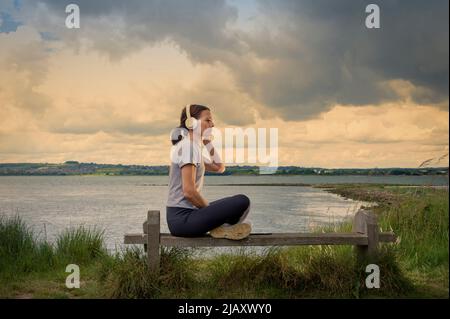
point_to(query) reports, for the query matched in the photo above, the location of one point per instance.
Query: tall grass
(80, 245)
(331, 272)
(128, 275)
(422, 223)
(420, 218)
(22, 253)
(320, 271)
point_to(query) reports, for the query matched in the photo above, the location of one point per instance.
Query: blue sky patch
(7, 23)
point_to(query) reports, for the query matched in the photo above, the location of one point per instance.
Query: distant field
(76, 168)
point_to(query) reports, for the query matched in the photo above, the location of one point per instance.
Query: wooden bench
(365, 236)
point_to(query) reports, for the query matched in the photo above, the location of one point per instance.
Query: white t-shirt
(184, 152)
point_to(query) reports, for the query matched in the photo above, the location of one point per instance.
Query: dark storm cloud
(324, 54)
(315, 53)
(122, 27)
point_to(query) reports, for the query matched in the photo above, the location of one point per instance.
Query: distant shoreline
(325, 186)
(320, 184)
(74, 168)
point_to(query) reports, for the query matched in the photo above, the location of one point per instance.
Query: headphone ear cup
(191, 123)
(194, 123)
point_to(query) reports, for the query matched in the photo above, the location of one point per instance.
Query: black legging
(187, 222)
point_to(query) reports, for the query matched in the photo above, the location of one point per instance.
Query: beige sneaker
(235, 232)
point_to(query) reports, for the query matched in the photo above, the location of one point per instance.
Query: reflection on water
(119, 204)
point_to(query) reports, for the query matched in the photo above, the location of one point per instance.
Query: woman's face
(206, 120)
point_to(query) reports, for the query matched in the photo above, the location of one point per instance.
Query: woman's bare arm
(188, 172)
(216, 164)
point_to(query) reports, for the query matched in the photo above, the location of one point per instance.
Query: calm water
(119, 204)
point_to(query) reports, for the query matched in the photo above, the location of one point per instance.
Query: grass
(416, 267)
(80, 245)
(420, 217)
(29, 267)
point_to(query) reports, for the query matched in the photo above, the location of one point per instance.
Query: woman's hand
(214, 163)
(207, 140)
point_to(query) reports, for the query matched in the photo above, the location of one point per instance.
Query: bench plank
(267, 239)
(135, 238)
(277, 239)
(387, 237)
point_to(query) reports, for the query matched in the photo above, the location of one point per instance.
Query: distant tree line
(76, 168)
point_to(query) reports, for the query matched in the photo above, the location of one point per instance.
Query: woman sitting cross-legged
(188, 213)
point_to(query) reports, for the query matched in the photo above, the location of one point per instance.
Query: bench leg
(153, 234)
(365, 222)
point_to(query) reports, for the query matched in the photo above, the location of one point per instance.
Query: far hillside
(77, 168)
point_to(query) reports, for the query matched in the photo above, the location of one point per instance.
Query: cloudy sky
(340, 94)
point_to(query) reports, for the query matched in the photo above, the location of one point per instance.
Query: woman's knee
(243, 201)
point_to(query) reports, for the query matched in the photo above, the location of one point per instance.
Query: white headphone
(190, 122)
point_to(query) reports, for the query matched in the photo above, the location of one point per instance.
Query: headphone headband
(190, 123)
(188, 111)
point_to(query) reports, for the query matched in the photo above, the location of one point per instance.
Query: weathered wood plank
(264, 239)
(280, 239)
(153, 239)
(135, 239)
(144, 227)
(275, 239)
(387, 237)
(360, 222)
(372, 233)
(360, 227)
(366, 223)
